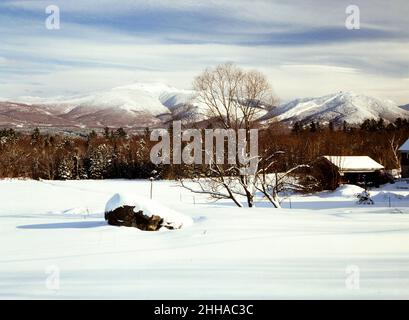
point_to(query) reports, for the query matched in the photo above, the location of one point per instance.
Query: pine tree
(331, 126)
(106, 133)
(100, 161)
(92, 135)
(345, 126)
(297, 128)
(35, 136)
(313, 127)
(120, 133)
(65, 170)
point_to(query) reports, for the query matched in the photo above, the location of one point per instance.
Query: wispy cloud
(104, 43)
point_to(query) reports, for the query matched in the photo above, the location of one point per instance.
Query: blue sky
(302, 46)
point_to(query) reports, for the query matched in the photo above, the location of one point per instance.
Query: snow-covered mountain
(152, 98)
(135, 105)
(339, 107)
(153, 104)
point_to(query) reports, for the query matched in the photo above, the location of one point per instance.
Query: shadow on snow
(65, 225)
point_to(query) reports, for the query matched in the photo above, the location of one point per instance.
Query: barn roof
(404, 147)
(354, 163)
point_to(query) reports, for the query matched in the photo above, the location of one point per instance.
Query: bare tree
(218, 186)
(394, 144)
(235, 98)
(270, 182)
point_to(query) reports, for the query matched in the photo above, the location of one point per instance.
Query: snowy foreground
(54, 243)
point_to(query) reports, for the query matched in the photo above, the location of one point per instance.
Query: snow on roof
(354, 163)
(405, 146)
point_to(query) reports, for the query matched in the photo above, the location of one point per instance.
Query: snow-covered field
(54, 243)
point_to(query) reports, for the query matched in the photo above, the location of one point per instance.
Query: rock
(134, 211)
(126, 216)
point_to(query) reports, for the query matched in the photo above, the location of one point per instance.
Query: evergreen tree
(65, 170)
(313, 127)
(331, 126)
(106, 133)
(120, 133)
(345, 126)
(92, 135)
(297, 128)
(35, 136)
(381, 124)
(100, 161)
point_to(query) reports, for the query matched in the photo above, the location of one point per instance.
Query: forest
(113, 154)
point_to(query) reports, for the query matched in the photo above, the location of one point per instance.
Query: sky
(303, 47)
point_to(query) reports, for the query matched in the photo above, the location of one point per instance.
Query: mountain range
(136, 105)
(152, 104)
(337, 108)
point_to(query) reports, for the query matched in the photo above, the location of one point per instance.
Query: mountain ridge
(154, 104)
(135, 105)
(337, 107)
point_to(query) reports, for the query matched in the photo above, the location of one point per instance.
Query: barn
(404, 159)
(359, 170)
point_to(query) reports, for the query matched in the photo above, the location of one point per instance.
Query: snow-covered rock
(149, 209)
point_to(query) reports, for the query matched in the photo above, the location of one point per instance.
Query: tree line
(112, 154)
